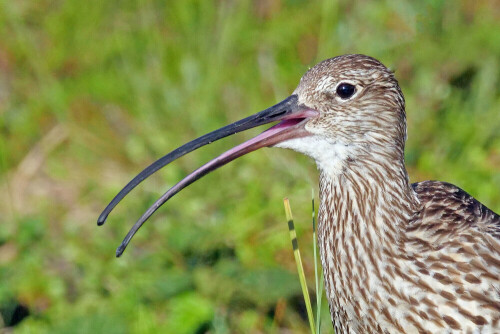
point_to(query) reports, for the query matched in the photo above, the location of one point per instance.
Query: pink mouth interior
(269, 137)
(264, 136)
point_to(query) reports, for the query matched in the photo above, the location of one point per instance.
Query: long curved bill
(292, 117)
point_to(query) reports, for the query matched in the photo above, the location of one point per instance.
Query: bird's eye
(345, 90)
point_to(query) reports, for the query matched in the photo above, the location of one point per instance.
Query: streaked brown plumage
(397, 257)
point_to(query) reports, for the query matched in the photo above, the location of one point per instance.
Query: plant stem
(300, 268)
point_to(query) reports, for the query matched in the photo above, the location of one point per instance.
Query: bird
(397, 257)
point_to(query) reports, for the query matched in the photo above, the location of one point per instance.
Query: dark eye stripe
(345, 90)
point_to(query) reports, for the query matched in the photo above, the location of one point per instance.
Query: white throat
(329, 155)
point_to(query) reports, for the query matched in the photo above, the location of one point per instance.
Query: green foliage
(93, 91)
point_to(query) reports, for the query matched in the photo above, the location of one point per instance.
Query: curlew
(397, 257)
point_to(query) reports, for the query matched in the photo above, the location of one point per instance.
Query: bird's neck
(362, 215)
(372, 197)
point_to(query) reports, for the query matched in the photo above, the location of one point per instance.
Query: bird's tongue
(286, 129)
(276, 134)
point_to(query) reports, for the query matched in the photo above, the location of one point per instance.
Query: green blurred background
(93, 91)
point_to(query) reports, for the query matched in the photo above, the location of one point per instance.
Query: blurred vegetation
(93, 91)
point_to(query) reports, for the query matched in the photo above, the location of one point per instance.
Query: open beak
(292, 117)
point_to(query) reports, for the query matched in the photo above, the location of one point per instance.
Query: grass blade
(300, 268)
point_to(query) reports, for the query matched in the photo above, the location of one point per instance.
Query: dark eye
(345, 90)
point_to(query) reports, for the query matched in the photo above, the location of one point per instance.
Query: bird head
(343, 108)
(360, 112)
